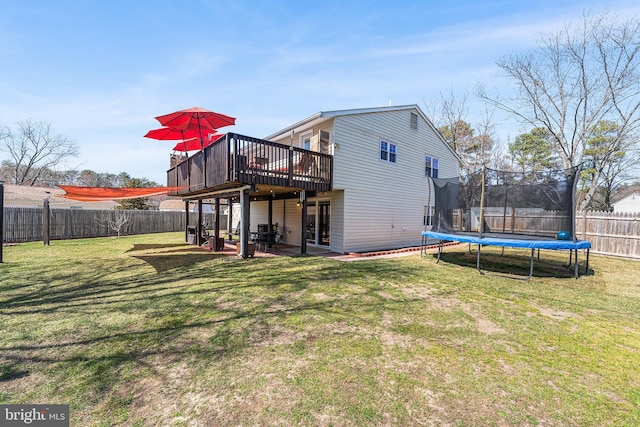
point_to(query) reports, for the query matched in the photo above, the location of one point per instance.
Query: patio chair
(276, 241)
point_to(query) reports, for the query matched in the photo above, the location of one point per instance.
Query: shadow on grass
(150, 246)
(186, 258)
(512, 265)
(8, 372)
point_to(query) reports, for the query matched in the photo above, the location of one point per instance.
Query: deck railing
(239, 159)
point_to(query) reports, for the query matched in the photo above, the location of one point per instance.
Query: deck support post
(199, 226)
(303, 240)
(186, 221)
(244, 223)
(216, 225)
(270, 214)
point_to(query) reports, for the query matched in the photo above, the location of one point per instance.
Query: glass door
(324, 221)
(311, 223)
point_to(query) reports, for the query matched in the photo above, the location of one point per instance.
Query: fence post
(46, 229)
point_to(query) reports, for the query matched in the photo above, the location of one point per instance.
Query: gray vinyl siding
(285, 213)
(383, 202)
(337, 222)
(259, 214)
(326, 126)
(293, 223)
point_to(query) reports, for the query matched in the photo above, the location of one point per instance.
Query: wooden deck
(236, 160)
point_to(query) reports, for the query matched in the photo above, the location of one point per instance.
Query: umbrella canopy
(170, 133)
(194, 143)
(196, 118)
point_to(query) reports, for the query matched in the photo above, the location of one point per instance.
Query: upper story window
(305, 140)
(414, 121)
(388, 151)
(431, 166)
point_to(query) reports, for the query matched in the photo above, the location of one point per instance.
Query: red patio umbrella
(197, 119)
(194, 143)
(171, 134)
(168, 133)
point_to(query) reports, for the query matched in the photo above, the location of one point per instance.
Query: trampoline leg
(570, 258)
(575, 272)
(478, 259)
(439, 250)
(586, 269)
(533, 253)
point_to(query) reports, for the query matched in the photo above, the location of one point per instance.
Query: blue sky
(100, 71)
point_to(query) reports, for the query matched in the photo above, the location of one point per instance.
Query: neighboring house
(630, 203)
(363, 174)
(23, 196)
(171, 205)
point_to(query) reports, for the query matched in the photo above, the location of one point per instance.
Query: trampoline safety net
(536, 205)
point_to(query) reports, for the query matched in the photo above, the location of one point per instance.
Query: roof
(626, 192)
(322, 116)
(172, 205)
(29, 196)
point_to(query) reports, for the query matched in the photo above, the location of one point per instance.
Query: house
(347, 180)
(630, 203)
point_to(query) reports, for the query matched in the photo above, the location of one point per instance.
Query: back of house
(382, 160)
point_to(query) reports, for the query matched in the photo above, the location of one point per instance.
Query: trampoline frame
(529, 243)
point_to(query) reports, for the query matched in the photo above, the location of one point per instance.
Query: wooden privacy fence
(25, 224)
(513, 220)
(610, 233)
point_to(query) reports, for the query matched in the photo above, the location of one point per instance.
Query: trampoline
(532, 210)
(527, 242)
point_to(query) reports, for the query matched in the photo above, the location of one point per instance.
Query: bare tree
(615, 167)
(574, 79)
(35, 148)
(475, 145)
(117, 220)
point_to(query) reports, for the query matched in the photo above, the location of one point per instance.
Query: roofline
(339, 113)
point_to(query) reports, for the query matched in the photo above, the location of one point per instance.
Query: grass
(145, 330)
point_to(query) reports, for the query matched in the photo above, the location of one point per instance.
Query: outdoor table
(265, 238)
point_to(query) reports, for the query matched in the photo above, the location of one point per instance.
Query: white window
(388, 151)
(305, 141)
(427, 219)
(431, 166)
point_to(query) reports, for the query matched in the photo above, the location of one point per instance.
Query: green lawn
(146, 330)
